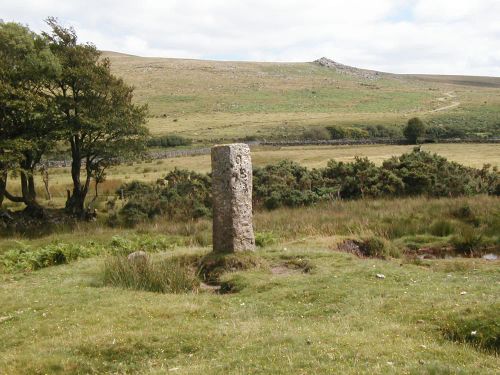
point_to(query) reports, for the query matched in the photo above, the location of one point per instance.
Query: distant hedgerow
(167, 141)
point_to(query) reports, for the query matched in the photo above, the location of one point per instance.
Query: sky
(399, 36)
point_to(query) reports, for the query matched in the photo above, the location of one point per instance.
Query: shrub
(136, 212)
(183, 195)
(337, 132)
(264, 239)
(286, 184)
(357, 133)
(316, 134)
(380, 131)
(165, 276)
(361, 178)
(445, 132)
(167, 141)
(135, 188)
(425, 173)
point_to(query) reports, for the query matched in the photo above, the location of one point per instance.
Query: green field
(213, 100)
(306, 309)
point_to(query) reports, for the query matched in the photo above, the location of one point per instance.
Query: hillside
(210, 100)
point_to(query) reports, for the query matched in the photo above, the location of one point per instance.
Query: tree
(414, 130)
(100, 122)
(27, 123)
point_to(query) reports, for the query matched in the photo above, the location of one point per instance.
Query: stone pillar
(232, 198)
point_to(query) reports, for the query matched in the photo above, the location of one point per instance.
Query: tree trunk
(28, 186)
(3, 186)
(76, 201)
(45, 178)
(75, 205)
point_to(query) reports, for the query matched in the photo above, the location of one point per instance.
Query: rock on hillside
(346, 69)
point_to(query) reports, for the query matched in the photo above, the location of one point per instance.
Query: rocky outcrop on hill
(349, 70)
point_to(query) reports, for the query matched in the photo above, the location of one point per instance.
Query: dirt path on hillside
(448, 95)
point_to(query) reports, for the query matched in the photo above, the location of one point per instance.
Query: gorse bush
(185, 195)
(180, 195)
(285, 184)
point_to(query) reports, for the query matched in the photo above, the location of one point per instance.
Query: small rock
(490, 257)
(421, 361)
(137, 256)
(380, 276)
(473, 333)
(5, 318)
(463, 293)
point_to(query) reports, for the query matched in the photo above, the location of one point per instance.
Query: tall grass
(163, 276)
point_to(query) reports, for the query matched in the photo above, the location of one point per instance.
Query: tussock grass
(161, 276)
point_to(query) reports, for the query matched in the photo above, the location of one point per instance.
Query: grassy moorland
(372, 286)
(305, 308)
(213, 100)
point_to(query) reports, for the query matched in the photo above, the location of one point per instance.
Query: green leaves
(414, 130)
(54, 89)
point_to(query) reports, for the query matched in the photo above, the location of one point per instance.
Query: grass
(213, 100)
(298, 305)
(337, 317)
(164, 276)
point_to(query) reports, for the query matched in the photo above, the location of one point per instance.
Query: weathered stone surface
(232, 198)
